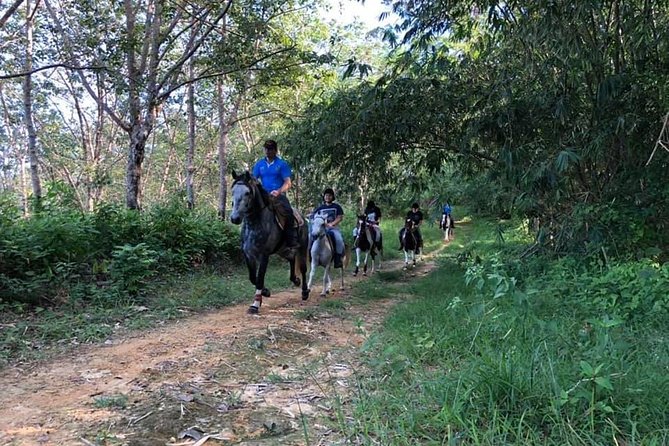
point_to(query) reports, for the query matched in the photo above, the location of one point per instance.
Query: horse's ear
(234, 175)
(247, 176)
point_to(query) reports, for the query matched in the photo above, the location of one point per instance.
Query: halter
(253, 186)
(323, 233)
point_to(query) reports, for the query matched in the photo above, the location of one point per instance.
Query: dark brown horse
(365, 242)
(409, 242)
(262, 236)
(446, 224)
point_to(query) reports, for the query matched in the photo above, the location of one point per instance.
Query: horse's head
(409, 224)
(317, 226)
(362, 222)
(244, 196)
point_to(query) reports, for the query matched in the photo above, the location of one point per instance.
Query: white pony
(322, 250)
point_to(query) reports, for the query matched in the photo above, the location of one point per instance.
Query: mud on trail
(284, 377)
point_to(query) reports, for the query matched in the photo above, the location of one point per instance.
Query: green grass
(116, 401)
(484, 358)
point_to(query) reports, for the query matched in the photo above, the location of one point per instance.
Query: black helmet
(329, 190)
(371, 204)
(415, 206)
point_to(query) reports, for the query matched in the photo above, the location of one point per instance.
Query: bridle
(252, 186)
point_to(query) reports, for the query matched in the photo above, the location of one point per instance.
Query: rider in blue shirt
(446, 209)
(274, 175)
(333, 214)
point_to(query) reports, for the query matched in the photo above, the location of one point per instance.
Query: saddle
(281, 213)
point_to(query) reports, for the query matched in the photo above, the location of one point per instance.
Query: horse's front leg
(326, 281)
(301, 259)
(357, 261)
(364, 263)
(312, 271)
(260, 286)
(406, 259)
(293, 275)
(373, 255)
(252, 267)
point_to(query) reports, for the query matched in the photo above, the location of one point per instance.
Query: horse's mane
(262, 196)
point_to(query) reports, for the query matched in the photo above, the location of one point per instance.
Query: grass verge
(476, 358)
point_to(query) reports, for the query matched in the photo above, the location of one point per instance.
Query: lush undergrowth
(68, 278)
(493, 350)
(63, 256)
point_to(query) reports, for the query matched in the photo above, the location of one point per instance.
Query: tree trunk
(15, 151)
(190, 153)
(222, 150)
(28, 112)
(138, 138)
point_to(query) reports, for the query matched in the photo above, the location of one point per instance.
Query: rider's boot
(337, 260)
(290, 233)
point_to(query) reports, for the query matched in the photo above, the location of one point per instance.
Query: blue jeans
(339, 240)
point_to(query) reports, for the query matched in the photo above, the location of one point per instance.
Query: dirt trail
(277, 378)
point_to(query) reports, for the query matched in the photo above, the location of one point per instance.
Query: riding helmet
(415, 206)
(329, 190)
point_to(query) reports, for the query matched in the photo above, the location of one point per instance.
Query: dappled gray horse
(262, 236)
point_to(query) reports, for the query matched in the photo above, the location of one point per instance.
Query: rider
(274, 175)
(446, 209)
(373, 213)
(417, 217)
(333, 214)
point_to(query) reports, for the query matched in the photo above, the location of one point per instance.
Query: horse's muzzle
(235, 220)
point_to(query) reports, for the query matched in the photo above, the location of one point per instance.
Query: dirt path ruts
(250, 380)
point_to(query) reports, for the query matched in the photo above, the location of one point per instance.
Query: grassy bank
(494, 351)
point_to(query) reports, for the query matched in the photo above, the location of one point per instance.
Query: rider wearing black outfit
(417, 216)
(373, 214)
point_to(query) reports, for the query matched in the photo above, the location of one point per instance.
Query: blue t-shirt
(329, 211)
(271, 175)
(447, 208)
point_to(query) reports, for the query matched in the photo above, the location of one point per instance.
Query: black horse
(447, 224)
(365, 241)
(262, 236)
(409, 242)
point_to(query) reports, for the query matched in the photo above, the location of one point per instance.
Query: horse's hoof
(253, 310)
(265, 292)
(297, 282)
(305, 295)
(322, 294)
(327, 292)
(364, 274)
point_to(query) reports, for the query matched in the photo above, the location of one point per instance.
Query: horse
(258, 213)
(366, 242)
(322, 254)
(447, 224)
(409, 243)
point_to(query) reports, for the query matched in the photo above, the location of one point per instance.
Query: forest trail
(220, 378)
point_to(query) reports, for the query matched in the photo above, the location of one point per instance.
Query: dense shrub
(58, 252)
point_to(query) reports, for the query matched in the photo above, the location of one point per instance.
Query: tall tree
(145, 53)
(33, 156)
